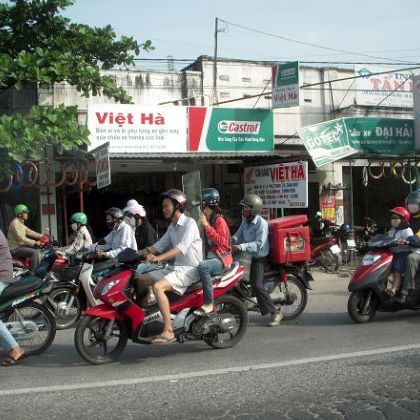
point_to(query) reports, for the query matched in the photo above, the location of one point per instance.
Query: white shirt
(117, 240)
(186, 237)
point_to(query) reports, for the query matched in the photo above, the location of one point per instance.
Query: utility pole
(216, 31)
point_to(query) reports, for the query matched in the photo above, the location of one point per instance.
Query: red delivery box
(289, 239)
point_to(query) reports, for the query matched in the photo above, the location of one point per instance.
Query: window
(224, 78)
(224, 95)
(246, 79)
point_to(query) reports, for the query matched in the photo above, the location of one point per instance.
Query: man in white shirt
(120, 237)
(181, 242)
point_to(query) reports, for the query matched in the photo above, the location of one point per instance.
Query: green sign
(236, 129)
(335, 139)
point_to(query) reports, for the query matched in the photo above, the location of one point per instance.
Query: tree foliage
(40, 46)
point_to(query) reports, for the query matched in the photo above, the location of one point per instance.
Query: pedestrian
(252, 237)
(7, 342)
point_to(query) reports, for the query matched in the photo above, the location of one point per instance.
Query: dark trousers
(257, 282)
(27, 252)
(412, 264)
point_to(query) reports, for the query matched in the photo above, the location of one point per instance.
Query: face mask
(110, 225)
(132, 221)
(74, 226)
(413, 208)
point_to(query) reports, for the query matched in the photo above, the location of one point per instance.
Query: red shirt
(219, 237)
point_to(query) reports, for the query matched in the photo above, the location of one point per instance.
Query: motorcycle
(287, 285)
(325, 249)
(364, 233)
(30, 323)
(370, 280)
(104, 330)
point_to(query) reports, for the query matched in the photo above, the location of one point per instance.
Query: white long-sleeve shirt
(120, 238)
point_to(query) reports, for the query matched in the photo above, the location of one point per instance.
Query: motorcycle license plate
(351, 243)
(335, 249)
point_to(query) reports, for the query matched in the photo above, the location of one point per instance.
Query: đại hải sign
(139, 129)
(333, 140)
(283, 185)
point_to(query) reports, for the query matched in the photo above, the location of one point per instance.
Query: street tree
(39, 46)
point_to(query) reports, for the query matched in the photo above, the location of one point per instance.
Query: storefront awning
(197, 155)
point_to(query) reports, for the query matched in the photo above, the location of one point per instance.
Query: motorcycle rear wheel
(89, 335)
(355, 305)
(33, 312)
(232, 305)
(63, 300)
(298, 306)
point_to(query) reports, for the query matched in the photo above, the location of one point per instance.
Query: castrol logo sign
(239, 127)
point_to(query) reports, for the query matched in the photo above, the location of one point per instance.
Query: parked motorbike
(104, 330)
(370, 281)
(287, 285)
(30, 322)
(325, 249)
(364, 233)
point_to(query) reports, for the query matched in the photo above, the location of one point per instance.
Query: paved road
(319, 366)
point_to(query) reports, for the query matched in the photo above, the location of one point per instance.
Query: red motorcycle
(103, 333)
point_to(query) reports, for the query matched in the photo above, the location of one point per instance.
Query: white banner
(103, 168)
(138, 129)
(393, 89)
(416, 111)
(283, 185)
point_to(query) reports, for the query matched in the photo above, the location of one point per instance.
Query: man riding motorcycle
(120, 237)
(413, 259)
(22, 240)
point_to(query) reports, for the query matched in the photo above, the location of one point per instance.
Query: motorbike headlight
(105, 289)
(370, 259)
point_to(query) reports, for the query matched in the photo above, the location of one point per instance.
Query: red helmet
(402, 212)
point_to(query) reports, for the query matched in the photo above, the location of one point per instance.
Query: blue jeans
(208, 268)
(7, 342)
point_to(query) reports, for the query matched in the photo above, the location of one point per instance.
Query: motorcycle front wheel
(297, 290)
(229, 305)
(356, 307)
(67, 307)
(93, 346)
(33, 327)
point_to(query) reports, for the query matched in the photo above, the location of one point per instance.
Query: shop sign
(393, 89)
(335, 139)
(230, 129)
(285, 85)
(327, 203)
(416, 109)
(138, 129)
(283, 185)
(326, 142)
(103, 168)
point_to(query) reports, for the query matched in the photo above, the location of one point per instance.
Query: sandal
(160, 339)
(10, 361)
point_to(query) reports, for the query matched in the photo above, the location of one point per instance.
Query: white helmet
(133, 207)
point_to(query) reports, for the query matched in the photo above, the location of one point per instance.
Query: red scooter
(370, 281)
(102, 334)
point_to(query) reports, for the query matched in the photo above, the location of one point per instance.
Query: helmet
(254, 202)
(21, 208)
(344, 228)
(177, 196)
(402, 212)
(412, 202)
(133, 207)
(79, 218)
(115, 212)
(210, 197)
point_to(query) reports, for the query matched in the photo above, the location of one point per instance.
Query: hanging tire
(36, 325)
(91, 344)
(67, 307)
(355, 305)
(331, 261)
(231, 305)
(294, 287)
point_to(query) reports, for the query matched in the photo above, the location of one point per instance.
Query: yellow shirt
(20, 235)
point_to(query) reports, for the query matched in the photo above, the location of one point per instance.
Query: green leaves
(39, 46)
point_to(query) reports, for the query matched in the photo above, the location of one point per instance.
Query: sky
(185, 29)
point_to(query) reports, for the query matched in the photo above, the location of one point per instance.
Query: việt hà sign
(283, 185)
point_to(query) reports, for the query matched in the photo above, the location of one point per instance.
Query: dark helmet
(344, 228)
(115, 212)
(177, 196)
(412, 202)
(253, 202)
(210, 197)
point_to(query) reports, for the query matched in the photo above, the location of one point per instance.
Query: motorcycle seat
(24, 285)
(321, 240)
